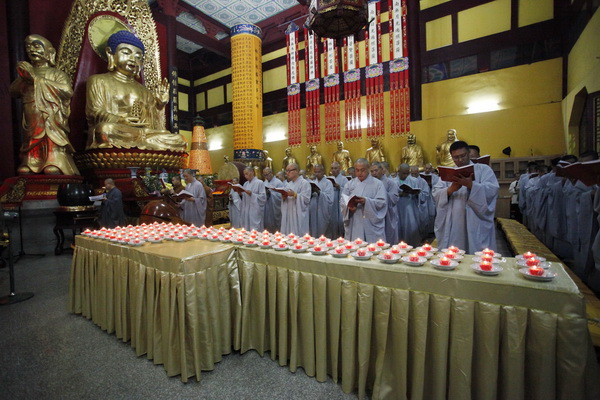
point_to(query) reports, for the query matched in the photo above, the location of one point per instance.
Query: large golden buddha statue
(314, 158)
(46, 93)
(120, 111)
(412, 153)
(288, 159)
(443, 150)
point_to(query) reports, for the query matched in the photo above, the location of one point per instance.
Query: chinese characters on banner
(331, 79)
(399, 90)
(293, 89)
(246, 79)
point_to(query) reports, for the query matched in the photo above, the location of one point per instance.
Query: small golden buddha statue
(443, 150)
(375, 152)
(267, 161)
(314, 158)
(342, 157)
(288, 159)
(120, 111)
(412, 153)
(46, 93)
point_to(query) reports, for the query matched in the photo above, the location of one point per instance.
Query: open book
(237, 187)
(587, 172)
(350, 201)
(409, 189)
(427, 178)
(184, 194)
(315, 188)
(280, 190)
(98, 197)
(482, 160)
(447, 174)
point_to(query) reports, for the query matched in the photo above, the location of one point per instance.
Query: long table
(393, 331)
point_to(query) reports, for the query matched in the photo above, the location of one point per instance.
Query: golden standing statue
(267, 161)
(120, 111)
(46, 93)
(412, 153)
(443, 150)
(314, 158)
(288, 159)
(342, 157)
(375, 152)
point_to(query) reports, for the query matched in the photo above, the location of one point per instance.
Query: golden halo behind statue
(100, 29)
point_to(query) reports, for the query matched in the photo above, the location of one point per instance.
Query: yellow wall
(484, 20)
(533, 11)
(583, 78)
(529, 121)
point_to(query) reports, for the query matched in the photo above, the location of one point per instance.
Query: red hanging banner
(332, 91)
(352, 126)
(293, 89)
(399, 84)
(313, 103)
(374, 73)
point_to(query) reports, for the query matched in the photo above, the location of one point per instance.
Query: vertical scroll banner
(332, 92)
(293, 89)
(313, 103)
(399, 87)
(174, 99)
(246, 79)
(352, 126)
(374, 73)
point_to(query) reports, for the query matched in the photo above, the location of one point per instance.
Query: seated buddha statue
(120, 111)
(444, 157)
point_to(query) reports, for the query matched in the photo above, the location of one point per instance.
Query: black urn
(74, 194)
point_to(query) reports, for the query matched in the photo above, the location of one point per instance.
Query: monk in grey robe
(320, 202)
(273, 204)
(392, 190)
(295, 202)
(336, 223)
(466, 206)
(193, 209)
(253, 198)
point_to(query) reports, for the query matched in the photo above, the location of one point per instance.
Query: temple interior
(246, 85)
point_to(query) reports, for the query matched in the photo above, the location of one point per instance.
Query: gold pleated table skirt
(388, 331)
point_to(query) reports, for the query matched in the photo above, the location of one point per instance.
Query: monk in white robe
(466, 207)
(594, 279)
(193, 209)
(273, 204)
(235, 204)
(409, 207)
(253, 198)
(336, 222)
(365, 218)
(295, 202)
(523, 179)
(392, 190)
(320, 202)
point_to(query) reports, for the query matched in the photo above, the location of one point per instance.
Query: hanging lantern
(337, 18)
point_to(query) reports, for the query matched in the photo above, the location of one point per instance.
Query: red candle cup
(444, 261)
(298, 246)
(414, 257)
(266, 243)
(387, 255)
(487, 258)
(307, 237)
(371, 247)
(349, 246)
(322, 238)
(281, 245)
(341, 240)
(426, 247)
(250, 241)
(532, 262)
(380, 243)
(450, 255)
(488, 252)
(402, 245)
(395, 250)
(311, 242)
(339, 250)
(318, 248)
(421, 253)
(485, 266)
(528, 255)
(329, 244)
(361, 252)
(536, 270)
(358, 241)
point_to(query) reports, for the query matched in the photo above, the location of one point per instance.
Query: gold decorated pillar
(246, 77)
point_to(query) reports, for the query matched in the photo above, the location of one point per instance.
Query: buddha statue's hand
(25, 70)
(162, 93)
(135, 121)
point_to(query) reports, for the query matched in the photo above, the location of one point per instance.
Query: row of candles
(158, 232)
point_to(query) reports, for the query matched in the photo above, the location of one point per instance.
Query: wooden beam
(214, 45)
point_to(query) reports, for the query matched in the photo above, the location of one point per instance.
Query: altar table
(394, 331)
